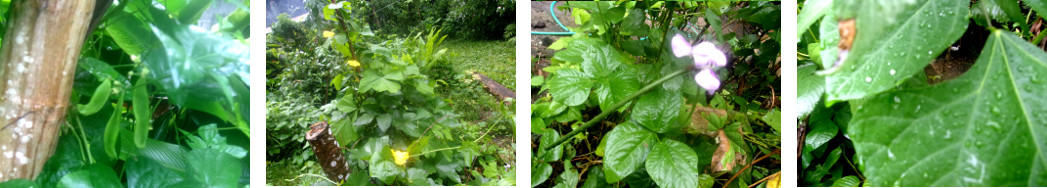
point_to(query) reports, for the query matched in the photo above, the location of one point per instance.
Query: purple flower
(706, 58)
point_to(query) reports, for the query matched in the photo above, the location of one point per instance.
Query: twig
(750, 165)
(779, 173)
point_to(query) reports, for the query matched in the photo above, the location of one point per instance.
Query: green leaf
(673, 164)
(549, 137)
(830, 38)
(380, 83)
(812, 11)
(569, 177)
(634, 23)
(347, 104)
(96, 175)
(630, 144)
(987, 127)
(615, 87)
(594, 178)
(570, 87)
(714, 21)
(774, 119)
(820, 133)
(809, 88)
(705, 181)
(382, 166)
(892, 43)
(214, 168)
(26, 183)
(540, 173)
(130, 33)
(847, 181)
(344, 131)
(145, 172)
(657, 110)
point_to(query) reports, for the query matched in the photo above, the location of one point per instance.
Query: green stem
(437, 150)
(614, 108)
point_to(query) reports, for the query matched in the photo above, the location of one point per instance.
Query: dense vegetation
(660, 94)
(160, 101)
(402, 111)
(922, 93)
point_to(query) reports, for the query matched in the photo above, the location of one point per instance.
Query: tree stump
(328, 152)
(37, 64)
(494, 88)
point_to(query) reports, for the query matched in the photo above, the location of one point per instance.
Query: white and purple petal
(680, 46)
(707, 80)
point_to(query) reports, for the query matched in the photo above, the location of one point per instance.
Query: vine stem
(614, 108)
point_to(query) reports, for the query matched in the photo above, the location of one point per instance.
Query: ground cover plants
(158, 99)
(402, 102)
(922, 93)
(657, 94)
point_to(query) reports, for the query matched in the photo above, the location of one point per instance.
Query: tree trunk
(328, 152)
(37, 64)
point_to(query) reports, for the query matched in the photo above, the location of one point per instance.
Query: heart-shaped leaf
(630, 143)
(672, 164)
(986, 128)
(894, 40)
(570, 87)
(656, 110)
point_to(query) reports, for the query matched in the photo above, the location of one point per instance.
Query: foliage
(384, 102)
(881, 113)
(159, 102)
(477, 19)
(620, 65)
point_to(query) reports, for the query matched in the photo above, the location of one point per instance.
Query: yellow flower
(328, 34)
(353, 63)
(400, 157)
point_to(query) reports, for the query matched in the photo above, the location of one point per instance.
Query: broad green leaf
(380, 83)
(819, 133)
(26, 183)
(629, 144)
(214, 168)
(344, 131)
(705, 181)
(657, 110)
(774, 119)
(634, 23)
(97, 175)
(382, 166)
(847, 181)
(554, 154)
(892, 43)
(171, 156)
(673, 164)
(812, 11)
(67, 158)
(131, 33)
(613, 88)
(347, 104)
(569, 177)
(987, 127)
(810, 88)
(570, 87)
(830, 38)
(541, 173)
(145, 172)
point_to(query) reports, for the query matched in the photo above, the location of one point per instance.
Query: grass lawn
(495, 59)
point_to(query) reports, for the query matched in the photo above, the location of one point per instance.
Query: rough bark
(37, 64)
(495, 88)
(328, 152)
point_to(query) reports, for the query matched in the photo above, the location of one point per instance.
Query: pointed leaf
(986, 128)
(892, 43)
(673, 164)
(630, 144)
